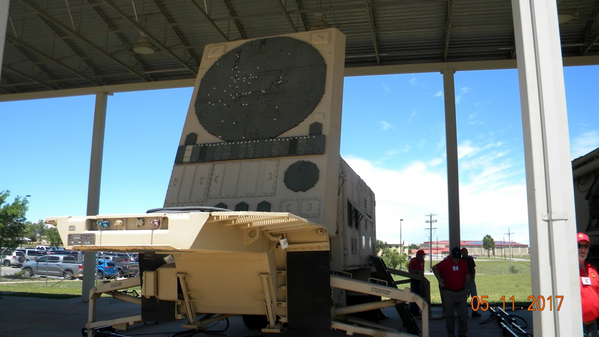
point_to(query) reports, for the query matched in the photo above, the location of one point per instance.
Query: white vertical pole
(451, 139)
(4, 4)
(551, 216)
(93, 192)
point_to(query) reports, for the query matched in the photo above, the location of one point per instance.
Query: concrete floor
(31, 316)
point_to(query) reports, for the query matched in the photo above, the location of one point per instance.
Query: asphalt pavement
(34, 317)
(7, 271)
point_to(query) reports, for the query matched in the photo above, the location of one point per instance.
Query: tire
(28, 272)
(6, 263)
(255, 321)
(21, 259)
(68, 275)
(100, 275)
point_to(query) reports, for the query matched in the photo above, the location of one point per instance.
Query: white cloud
(466, 149)
(474, 120)
(394, 152)
(409, 194)
(412, 116)
(461, 91)
(385, 88)
(413, 80)
(439, 94)
(384, 125)
(584, 143)
(492, 197)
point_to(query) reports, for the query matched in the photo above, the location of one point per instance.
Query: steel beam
(73, 33)
(150, 36)
(235, 19)
(209, 19)
(448, 29)
(29, 48)
(373, 32)
(178, 31)
(282, 6)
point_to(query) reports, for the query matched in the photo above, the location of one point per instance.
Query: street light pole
(24, 202)
(400, 238)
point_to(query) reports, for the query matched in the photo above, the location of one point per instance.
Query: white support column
(93, 192)
(551, 214)
(4, 5)
(451, 139)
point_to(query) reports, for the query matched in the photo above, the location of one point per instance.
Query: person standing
(416, 266)
(472, 270)
(454, 281)
(589, 288)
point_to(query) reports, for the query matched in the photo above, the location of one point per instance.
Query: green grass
(493, 280)
(38, 287)
(500, 266)
(18, 285)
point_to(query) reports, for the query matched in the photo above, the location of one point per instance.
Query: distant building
(502, 248)
(398, 247)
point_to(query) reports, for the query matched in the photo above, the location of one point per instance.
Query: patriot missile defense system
(262, 217)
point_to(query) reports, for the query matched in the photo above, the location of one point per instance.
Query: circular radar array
(301, 176)
(261, 89)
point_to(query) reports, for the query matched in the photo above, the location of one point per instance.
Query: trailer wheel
(255, 321)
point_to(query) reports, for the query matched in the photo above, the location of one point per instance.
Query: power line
(430, 240)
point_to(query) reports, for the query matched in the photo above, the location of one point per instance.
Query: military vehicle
(262, 217)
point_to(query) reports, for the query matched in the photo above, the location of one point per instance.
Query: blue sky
(393, 135)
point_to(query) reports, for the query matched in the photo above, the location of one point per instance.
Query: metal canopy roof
(53, 45)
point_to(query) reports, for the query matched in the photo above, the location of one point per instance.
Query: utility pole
(503, 248)
(430, 240)
(509, 238)
(400, 239)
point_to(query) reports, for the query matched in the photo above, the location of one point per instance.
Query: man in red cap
(472, 271)
(416, 266)
(454, 281)
(589, 287)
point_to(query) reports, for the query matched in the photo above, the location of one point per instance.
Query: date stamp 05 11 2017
(539, 303)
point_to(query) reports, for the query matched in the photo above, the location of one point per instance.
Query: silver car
(66, 266)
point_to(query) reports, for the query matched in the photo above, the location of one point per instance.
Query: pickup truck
(66, 266)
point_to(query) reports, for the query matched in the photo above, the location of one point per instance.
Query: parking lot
(7, 271)
(64, 263)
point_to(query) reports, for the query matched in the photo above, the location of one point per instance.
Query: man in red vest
(454, 281)
(589, 288)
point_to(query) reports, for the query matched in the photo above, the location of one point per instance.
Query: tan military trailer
(262, 217)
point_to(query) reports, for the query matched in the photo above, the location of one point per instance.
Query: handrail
(426, 284)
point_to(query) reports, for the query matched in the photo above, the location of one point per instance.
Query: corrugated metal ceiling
(52, 45)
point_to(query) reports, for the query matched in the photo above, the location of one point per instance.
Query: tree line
(14, 227)
(394, 259)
